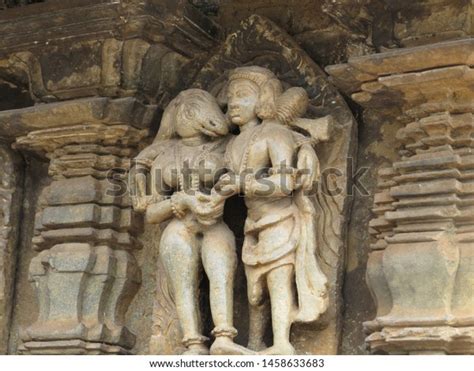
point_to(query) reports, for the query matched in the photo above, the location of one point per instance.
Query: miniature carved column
(10, 208)
(421, 269)
(85, 274)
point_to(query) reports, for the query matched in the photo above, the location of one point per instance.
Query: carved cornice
(375, 80)
(20, 122)
(55, 21)
(70, 49)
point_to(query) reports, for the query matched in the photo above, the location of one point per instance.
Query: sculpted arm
(141, 167)
(157, 207)
(163, 210)
(281, 179)
(308, 167)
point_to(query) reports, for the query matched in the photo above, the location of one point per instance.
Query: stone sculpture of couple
(271, 165)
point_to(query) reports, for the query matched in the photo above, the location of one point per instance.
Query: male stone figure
(279, 246)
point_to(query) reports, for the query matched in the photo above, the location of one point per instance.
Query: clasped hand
(209, 207)
(206, 208)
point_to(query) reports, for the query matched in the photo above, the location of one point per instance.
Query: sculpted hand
(140, 200)
(212, 208)
(228, 185)
(139, 203)
(205, 207)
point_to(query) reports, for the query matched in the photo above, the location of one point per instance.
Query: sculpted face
(242, 99)
(199, 114)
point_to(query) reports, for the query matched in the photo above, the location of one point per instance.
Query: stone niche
(87, 271)
(258, 41)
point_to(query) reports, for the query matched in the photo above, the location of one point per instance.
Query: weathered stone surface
(329, 31)
(11, 188)
(427, 22)
(106, 61)
(418, 270)
(87, 111)
(117, 48)
(83, 293)
(153, 49)
(369, 70)
(84, 275)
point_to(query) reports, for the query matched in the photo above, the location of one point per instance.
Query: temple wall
(79, 98)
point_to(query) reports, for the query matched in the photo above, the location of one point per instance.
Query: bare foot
(224, 345)
(196, 350)
(279, 349)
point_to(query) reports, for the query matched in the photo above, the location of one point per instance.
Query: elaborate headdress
(258, 75)
(269, 85)
(272, 102)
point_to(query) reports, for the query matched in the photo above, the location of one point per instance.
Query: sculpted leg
(282, 301)
(179, 252)
(220, 260)
(259, 317)
(259, 310)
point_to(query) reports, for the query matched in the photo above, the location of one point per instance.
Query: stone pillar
(85, 274)
(421, 269)
(11, 175)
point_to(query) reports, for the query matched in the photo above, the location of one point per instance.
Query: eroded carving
(85, 274)
(170, 42)
(420, 268)
(10, 206)
(260, 42)
(273, 167)
(196, 234)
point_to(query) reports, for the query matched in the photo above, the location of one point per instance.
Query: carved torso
(272, 225)
(169, 163)
(264, 145)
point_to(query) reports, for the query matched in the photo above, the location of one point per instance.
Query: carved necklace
(201, 156)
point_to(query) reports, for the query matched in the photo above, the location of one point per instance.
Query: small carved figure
(191, 136)
(272, 165)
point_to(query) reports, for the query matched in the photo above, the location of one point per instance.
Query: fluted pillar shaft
(85, 274)
(421, 268)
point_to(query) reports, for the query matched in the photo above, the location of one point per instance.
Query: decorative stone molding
(421, 267)
(85, 274)
(147, 49)
(10, 209)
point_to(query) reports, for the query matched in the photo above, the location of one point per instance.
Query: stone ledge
(20, 122)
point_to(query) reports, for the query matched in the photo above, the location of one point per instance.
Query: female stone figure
(273, 165)
(192, 136)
